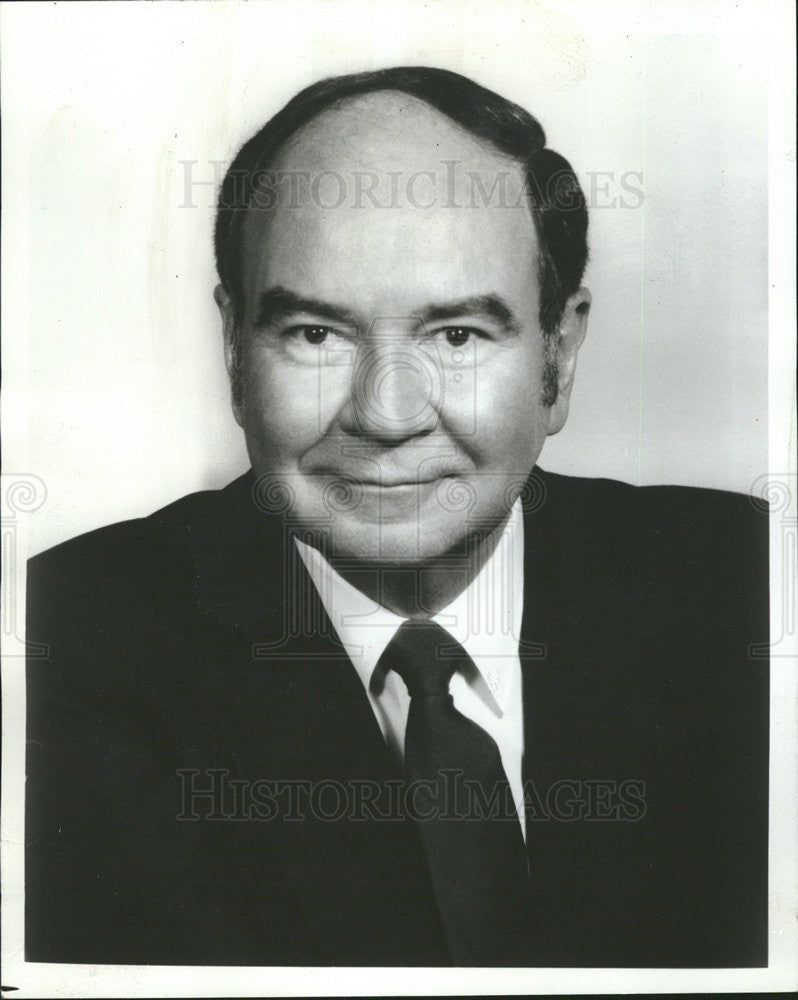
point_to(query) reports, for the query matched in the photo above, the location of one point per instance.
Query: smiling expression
(391, 359)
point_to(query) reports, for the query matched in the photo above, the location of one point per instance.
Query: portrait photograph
(399, 499)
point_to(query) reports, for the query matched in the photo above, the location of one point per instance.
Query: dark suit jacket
(173, 647)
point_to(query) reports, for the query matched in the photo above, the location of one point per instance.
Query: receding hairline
(348, 104)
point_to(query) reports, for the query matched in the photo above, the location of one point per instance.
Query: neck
(424, 590)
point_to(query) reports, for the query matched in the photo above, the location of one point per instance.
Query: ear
(573, 327)
(231, 346)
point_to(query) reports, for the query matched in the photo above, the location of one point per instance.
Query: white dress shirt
(485, 619)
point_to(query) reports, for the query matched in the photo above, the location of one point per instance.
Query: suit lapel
(551, 696)
(355, 864)
(586, 723)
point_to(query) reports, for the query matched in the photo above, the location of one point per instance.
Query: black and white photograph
(399, 501)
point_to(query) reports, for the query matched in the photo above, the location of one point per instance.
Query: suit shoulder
(659, 508)
(692, 536)
(692, 559)
(127, 550)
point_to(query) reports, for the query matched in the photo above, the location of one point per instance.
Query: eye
(312, 334)
(317, 344)
(458, 336)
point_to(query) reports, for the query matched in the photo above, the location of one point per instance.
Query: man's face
(391, 358)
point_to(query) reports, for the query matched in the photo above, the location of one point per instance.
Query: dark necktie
(462, 805)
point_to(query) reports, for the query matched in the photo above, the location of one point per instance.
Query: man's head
(400, 261)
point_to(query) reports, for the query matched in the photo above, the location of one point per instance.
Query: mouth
(388, 484)
(399, 484)
(398, 499)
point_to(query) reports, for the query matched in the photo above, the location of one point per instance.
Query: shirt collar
(485, 618)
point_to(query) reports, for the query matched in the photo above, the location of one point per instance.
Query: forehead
(385, 194)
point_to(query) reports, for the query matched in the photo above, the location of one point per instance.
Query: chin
(395, 544)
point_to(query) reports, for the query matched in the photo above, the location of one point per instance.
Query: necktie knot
(424, 655)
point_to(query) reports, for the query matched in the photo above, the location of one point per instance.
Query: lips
(395, 485)
(414, 468)
(386, 482)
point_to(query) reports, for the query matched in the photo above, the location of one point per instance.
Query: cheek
(509, 418)
(278, 414)
(287, 407)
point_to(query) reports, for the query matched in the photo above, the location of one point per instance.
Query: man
(397, 696)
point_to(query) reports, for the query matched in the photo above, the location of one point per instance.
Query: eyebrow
(491, 306)
(278, 302)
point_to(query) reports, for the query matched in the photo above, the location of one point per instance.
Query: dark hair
(555, 197)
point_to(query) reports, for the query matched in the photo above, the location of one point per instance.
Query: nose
(397, 391)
